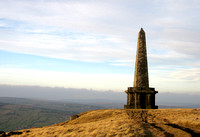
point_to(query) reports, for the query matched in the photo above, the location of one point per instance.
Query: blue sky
(92, 43)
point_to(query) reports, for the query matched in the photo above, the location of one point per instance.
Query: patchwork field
(119, 122)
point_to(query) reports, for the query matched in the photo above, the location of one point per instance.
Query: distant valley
(20, 113)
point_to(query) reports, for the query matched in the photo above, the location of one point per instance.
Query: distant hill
(15, 117)
(20, 113)
(112, 122)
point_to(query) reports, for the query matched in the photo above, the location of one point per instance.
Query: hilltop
(119, 122)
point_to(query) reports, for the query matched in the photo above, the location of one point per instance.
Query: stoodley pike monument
(141, 96)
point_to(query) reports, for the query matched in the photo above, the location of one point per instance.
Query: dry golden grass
(100, 123)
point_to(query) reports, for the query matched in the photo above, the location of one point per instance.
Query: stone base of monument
(133, 107)
(139, 98)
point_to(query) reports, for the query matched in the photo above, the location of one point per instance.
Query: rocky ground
(120, 122)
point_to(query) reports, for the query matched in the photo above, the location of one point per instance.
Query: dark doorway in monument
(143, 100)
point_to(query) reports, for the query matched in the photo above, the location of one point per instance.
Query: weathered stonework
(140, 96)
(141, 69)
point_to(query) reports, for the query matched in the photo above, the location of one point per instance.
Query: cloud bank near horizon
(93, 96)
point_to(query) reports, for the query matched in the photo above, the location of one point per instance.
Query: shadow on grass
(194, 134)
(143, 115)
(167, 134)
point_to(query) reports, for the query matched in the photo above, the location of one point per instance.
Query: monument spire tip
(142, 30)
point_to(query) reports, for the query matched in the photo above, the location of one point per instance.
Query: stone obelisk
(141, 68)
(140, 96)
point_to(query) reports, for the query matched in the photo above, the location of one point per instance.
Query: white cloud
(124, 62)
(106, 25)
(81, 47)
(175, 80)
(189, 75)
(163, 80)
(99, 31)
(102, 82)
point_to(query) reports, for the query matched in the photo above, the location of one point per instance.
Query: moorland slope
(119, 122)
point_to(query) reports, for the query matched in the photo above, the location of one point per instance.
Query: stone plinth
(138, 98)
